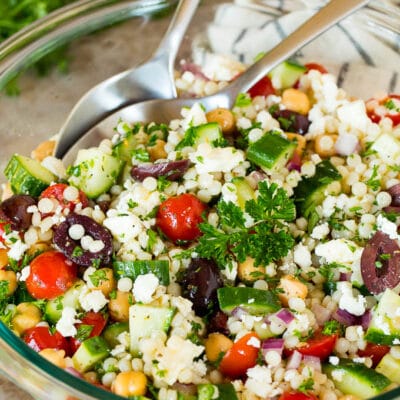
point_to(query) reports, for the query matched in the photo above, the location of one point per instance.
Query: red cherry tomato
(40, 337)
(389, 107)
(56, 191)
(3, 230)
(95, 319)
(375, 351)
(316, 66)
(179, 217)
(262, 88)
(240, 357)
(319, 345)
(51, 274)
(297, 396)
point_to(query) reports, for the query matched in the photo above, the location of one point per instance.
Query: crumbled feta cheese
(320, 231)
(386, 226)
(218, 67)
(92, 299)
(354, 115)
(17, 250)
(254, 342)
(259, 380)
(144, 287)
(354, 305)
(334, 360)
(24, 273)
(338, 250)
(65, 324)
(193, 116)
(123, 227)
(302, 256)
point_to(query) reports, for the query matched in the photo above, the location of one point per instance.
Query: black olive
(380, 263)
(394, 191)
(218, 322)
(291, 121)
(14, 211)
(171, 170)
(200, 284)
(72, 249)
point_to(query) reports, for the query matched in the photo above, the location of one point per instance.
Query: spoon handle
(328, 16)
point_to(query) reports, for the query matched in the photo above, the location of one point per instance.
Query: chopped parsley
(83, 332)
(141, 155)
(77, 252)
(98, 277)
(242, 100)
(374, 181)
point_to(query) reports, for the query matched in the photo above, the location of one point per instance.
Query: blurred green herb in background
(15, 15)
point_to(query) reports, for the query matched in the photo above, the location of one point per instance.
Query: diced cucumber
(89, 353)
(263, 330)
(221, 391)
(132, 269)
(285, 75)
(384, 327)
(111, 332)
(390, 367)
(70, 298)
(356, 379)
(254, 301)
(206, 133)
(125, 146)
(311, 191)
(244, 191)
(271, 152)
(27, 176)
(94, 172)
(144, 320)
(388, 148)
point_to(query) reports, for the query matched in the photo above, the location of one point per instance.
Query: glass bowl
(363, 52)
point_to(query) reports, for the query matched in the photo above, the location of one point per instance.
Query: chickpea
(301, 142)
(157, 151)
(11, 278)
(44, 150)
(27, 316)
(57, 357)
(38, 248)
(3, 258)
(249, 272)
(216, 344)
(291, 287)
(130, 383)
(224, 118)
(91, 377)
(295, 100)
(325, 145)
(106, 281)
(119, 307)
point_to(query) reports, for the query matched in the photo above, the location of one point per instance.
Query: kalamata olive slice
(291, 121)
(14, 211)
(200, 284)
(218, 323)
(394, 191)
(380, 263)
(72, 248)
(171, 170)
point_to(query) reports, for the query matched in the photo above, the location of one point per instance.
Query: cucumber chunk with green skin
(244, 191)
(390, 367)
(384, 327)
(27, 176)
(94, 172)
(356, 379)
(132, 269)
(271, 152)
(254, 301)
(126, 144)
(144, 320)
(111, 333)
(222, 391)
(70, 298)
(206, 133)
(285, 75)
(89, 353)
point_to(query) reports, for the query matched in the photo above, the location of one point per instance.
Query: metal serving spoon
(151, 80)
(165, 110)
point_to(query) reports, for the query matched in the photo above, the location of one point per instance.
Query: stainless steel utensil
(151, 80)
(165, 110)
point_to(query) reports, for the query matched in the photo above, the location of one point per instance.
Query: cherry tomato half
(40, 337)
(262, 88)
(241, 356)
(178, 217)
(51, 274)
(316, 66)
(319, 345)
(375, 351)
(297, 396)
(94, 319)
(56, 191)
(389, 107)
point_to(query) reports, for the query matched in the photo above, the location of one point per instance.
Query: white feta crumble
(17, 250)
(65, 324)
(92, 299)
(254, 342)
(338, 250)
(354, 115)
(302, 256)
(334, 360)
(144, 287)
(259, 381)
(215, 159)
(320, 231)
(25, 272)
(383, 325)
(386, 226)
(337, 375)
(354, 305)
(123, 227)
(193, 116)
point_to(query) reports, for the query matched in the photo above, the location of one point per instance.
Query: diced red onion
(74, 372)
(239, 312)
(294, 165)
(258, 176)
(294, 360)
(321, 313)
(344, 317)
(365, 319)
(272, 344)
(346, 144)
(312, 361)
(344, 276)
(285, 315)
